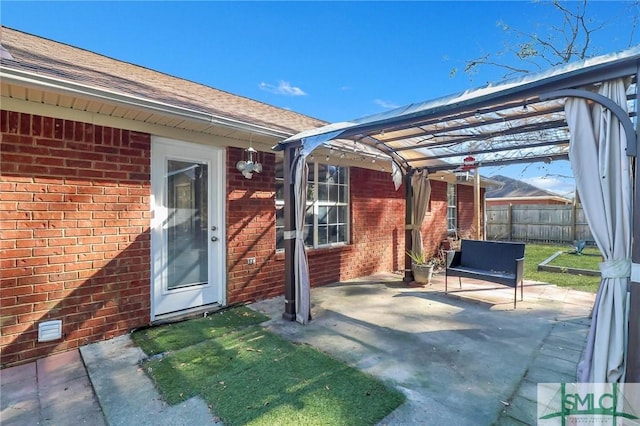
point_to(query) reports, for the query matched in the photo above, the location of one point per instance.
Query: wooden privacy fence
(537, 222)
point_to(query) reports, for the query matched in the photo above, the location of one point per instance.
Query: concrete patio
(464, 358)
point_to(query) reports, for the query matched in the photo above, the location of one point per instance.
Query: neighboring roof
(518, 120)
(514, 188)
(44, 71)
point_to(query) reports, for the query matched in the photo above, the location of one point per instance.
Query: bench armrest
(519, 269)
(454, 258)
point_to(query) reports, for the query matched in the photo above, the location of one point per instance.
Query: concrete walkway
(466, 358)
(51, 391)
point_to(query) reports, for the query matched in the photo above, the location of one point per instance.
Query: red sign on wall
(469, 163)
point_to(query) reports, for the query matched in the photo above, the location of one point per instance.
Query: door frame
(217, 209)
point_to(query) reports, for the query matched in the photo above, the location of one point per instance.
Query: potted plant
(421, 266)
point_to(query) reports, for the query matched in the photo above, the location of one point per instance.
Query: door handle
(214, 239)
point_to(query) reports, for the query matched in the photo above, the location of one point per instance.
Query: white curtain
(396, 175)
(603, 178)
(420, 202)
(300, 173)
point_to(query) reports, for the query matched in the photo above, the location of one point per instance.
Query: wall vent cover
(49, 330)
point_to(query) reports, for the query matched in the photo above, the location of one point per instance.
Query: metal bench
(493, 261)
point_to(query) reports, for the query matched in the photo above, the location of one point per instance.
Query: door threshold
(184, 314)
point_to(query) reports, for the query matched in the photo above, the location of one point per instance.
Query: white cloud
(563, 187)
(283, 88)
(385, 104)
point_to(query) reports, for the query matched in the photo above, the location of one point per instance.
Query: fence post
(509, 223)
(574, 220)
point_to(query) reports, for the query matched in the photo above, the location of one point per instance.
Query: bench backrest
(490, 255)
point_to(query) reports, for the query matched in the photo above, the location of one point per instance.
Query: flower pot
(422, 273)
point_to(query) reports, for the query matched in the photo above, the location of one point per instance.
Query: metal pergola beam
(633, 352)
(620, 114)
(490, 150)
(289, 243)
(467, 126)
(501, 162)
(577, 78)
(556, 124)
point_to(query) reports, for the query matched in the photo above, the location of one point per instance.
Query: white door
(187, 235)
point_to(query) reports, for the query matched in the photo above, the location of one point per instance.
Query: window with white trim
(452, 207)
(327, 214)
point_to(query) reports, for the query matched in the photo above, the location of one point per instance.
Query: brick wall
(75, 232)
(466, 208)
(377, 232)
(251, 232)
(377, 238)
(434, 227)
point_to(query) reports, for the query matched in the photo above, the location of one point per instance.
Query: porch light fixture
(249, 166)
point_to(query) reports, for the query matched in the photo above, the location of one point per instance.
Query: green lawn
(537, 253)
(589, 259)
(250, 376)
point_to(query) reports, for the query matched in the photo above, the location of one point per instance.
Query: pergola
(538, 117)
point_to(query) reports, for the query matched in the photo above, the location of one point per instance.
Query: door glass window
(187, 221)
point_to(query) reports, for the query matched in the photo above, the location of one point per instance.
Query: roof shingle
(53, 59)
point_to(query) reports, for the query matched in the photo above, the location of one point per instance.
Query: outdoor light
(249, 166)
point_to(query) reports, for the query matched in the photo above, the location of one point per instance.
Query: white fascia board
(27, 79)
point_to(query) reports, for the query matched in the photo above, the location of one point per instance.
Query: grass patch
(251, 376)
(589, 259)
(537, 253)
(169, 337)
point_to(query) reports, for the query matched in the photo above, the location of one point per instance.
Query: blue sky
(330, 60)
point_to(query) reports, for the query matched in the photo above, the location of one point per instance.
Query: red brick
(17, 235)
(16, 291)
(77, 266)
(32, 279)
(65, 189)
(47, 251)
(12, 330)
(47, 233)
(32, 261)
(39, 288)
(51, 269)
